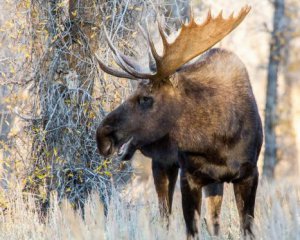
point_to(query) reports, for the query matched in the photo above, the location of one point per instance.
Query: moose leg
(191, 203)
(164, 180)
(213, 198)
(245, 192)
(172, 173)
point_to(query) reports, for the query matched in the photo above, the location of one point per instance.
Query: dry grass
(136, 217)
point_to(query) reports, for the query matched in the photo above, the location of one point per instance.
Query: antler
(192, 40)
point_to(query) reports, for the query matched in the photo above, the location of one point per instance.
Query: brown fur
(206, 122)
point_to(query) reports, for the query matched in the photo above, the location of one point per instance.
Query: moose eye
(145, 102)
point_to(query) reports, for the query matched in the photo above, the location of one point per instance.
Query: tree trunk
(287, 137)
(270, 157)
(63, 149)
(6, 120)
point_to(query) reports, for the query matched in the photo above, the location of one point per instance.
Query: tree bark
(270, 156)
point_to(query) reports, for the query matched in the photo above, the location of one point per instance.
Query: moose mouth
(126, 150)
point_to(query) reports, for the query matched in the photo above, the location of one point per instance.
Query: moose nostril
(108, 148)
(104, 140)
(105, 145)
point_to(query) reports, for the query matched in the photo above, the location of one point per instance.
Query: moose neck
(209, 91)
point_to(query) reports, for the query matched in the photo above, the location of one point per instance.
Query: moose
(200, 117)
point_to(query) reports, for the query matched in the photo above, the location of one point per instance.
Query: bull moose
(200, 117)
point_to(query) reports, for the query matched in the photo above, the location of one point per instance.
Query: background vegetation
(53, 96)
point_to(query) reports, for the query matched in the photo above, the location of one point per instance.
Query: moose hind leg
(213, 201)
(191, 204)
(245, 192)
(164, 180)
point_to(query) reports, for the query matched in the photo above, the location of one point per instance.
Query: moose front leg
(245, 192)
(191, 203)
(213, 199)
(164, 180)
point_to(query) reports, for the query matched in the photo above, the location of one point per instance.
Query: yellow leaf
(12, 69)
(55, 151)
(74, 13)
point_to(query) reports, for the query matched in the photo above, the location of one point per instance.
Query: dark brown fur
(203, 119)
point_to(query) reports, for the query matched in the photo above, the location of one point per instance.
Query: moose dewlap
(207, 124)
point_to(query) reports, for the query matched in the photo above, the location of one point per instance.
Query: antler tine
(220, 15)
(127, 64)
(209, 17)
(152, 63)
(121, 60)
(231, 16)
(130, 61)
(247, 9)
(163, 36)
(152, 46)
(112, 71)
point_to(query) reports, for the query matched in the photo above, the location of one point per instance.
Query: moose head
(155, 109)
